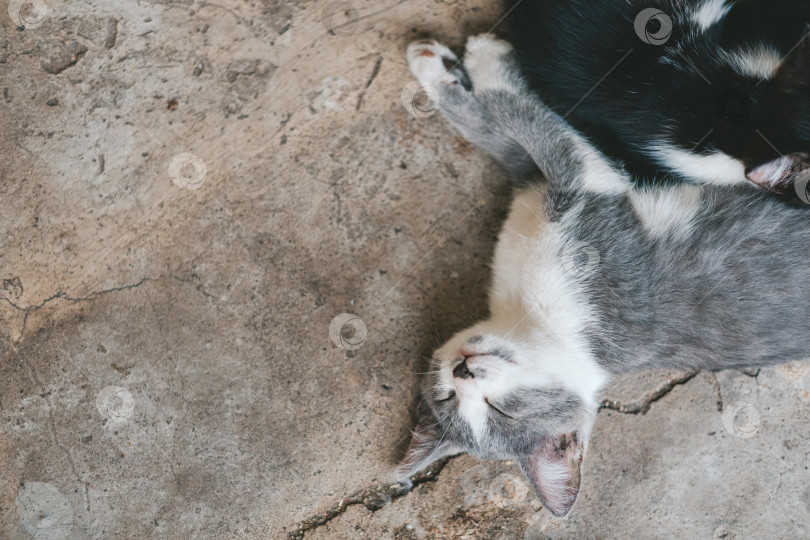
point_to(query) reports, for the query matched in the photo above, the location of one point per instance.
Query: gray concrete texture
(166, 365)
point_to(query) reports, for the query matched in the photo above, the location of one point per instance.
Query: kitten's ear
(554, 470)
(427, 445)
(780, 174)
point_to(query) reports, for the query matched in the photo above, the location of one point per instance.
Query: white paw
(432, 63)
(487, 45)
(490, 65)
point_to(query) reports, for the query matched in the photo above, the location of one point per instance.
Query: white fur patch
(710, 13)
(539, 313)
(484, 63)
(425, 61)
(761, 61)
(665, 211)
(598, 176)
(472, 407)
(535, 302)
(717, 169)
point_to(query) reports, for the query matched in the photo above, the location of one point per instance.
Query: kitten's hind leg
(435, 66)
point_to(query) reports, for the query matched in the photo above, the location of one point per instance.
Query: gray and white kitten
(593, 278)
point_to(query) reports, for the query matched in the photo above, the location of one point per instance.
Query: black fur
(683, 89)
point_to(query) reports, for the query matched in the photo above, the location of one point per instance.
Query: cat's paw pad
(434, 64)
(490, 63)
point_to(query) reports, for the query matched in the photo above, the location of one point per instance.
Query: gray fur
(474, 121)
(731, 294)
(524, 406)
(516, 130)
(725, 291)
(514, 423)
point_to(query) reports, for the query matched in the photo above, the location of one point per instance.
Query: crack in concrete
(373, 498)
(376, 497)
(642, 404)
(374, 72)
(91, 296)
(61, 295)
(32, 374)
(718, 396)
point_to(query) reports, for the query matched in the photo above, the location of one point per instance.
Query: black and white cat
(592, 278)
(709, 91)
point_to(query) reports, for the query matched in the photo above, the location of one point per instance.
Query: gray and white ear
(427, 445)
(780, 174)
(554, 470)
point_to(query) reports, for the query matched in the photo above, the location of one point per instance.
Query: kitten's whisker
(438, 338)
(431, 426)
(447, 429)
(518, 235)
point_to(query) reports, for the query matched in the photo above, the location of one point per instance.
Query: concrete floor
(167, 369)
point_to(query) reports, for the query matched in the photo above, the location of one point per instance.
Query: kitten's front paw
(491, 64)
(434, 64)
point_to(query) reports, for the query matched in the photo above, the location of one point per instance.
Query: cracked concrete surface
(166, 365)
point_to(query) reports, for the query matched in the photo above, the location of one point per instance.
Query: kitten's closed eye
(498, 409)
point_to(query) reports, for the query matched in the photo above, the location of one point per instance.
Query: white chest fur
(536, 300)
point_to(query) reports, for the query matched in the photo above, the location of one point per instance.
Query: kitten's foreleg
(563, 155)
(437, 67)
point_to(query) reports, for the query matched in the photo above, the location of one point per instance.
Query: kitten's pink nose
(462, 371)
